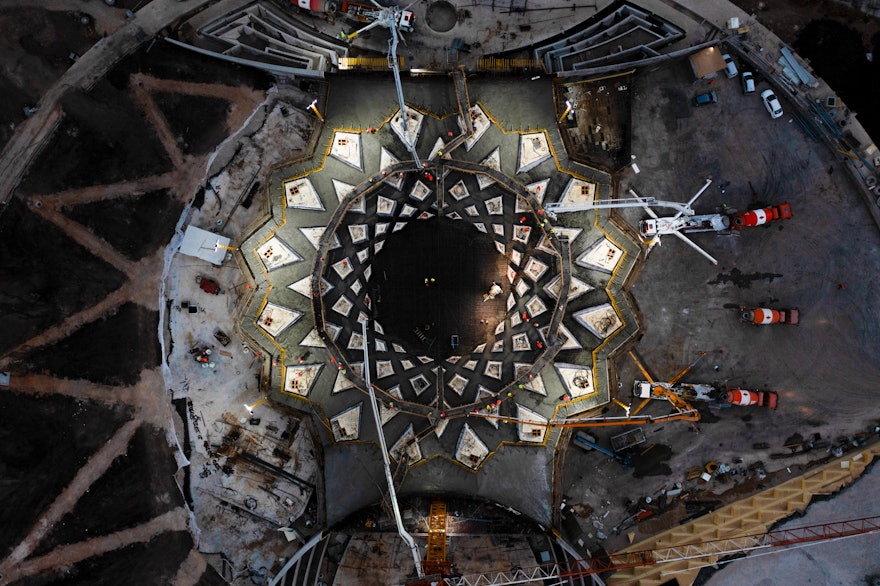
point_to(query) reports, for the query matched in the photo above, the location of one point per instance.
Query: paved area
(690, 306)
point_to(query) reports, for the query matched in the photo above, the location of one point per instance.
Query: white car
(771, 102)
(731, 69)
(748, 81)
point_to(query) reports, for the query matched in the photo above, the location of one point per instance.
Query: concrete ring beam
(442, 286)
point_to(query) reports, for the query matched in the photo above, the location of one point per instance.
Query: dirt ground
(36, 45)
(136, 226)
(834, 39)
(103, 139)
(142, 564)
(33, 295)
(110, 351)
(115, 177)
(194, 120)
(788, 18)
(31, 457)
(124, 495)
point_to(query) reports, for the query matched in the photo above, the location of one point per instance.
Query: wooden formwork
(750, 516)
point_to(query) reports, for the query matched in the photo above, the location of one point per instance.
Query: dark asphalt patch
(652, 461)
(741, 279)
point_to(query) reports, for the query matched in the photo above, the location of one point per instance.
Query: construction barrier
(499, 65)
(368, 63)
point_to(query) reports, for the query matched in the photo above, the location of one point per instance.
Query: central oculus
(433, 279)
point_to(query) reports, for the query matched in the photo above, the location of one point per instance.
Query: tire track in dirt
(143, 282)
(146, 398)
(82, 390)
(69, 325)
(242, 99)
(149, 401)
(83, 236)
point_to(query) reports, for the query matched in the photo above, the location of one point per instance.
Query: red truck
(763, 316)
(768, 399)
(761, 216)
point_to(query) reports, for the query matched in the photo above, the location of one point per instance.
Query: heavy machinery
(763, 316)
(707, 392)
(686, 221)
(768, 399)
(369, 13)
(208, 285)
(665, 390)
(761, 216)
(588, 442)
(395, 20)
(683, 411)
(322, 6)
(721, 223)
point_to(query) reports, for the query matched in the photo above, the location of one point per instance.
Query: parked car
(707, 98)
(731, 69)
(748, 81)
(771, 102)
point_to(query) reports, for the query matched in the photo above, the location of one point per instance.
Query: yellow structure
(435, 558)
(750, 516)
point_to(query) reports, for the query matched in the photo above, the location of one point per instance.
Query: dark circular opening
(432, 278)
(441, 16)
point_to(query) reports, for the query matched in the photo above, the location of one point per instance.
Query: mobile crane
(685, 221)
(394, 19)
